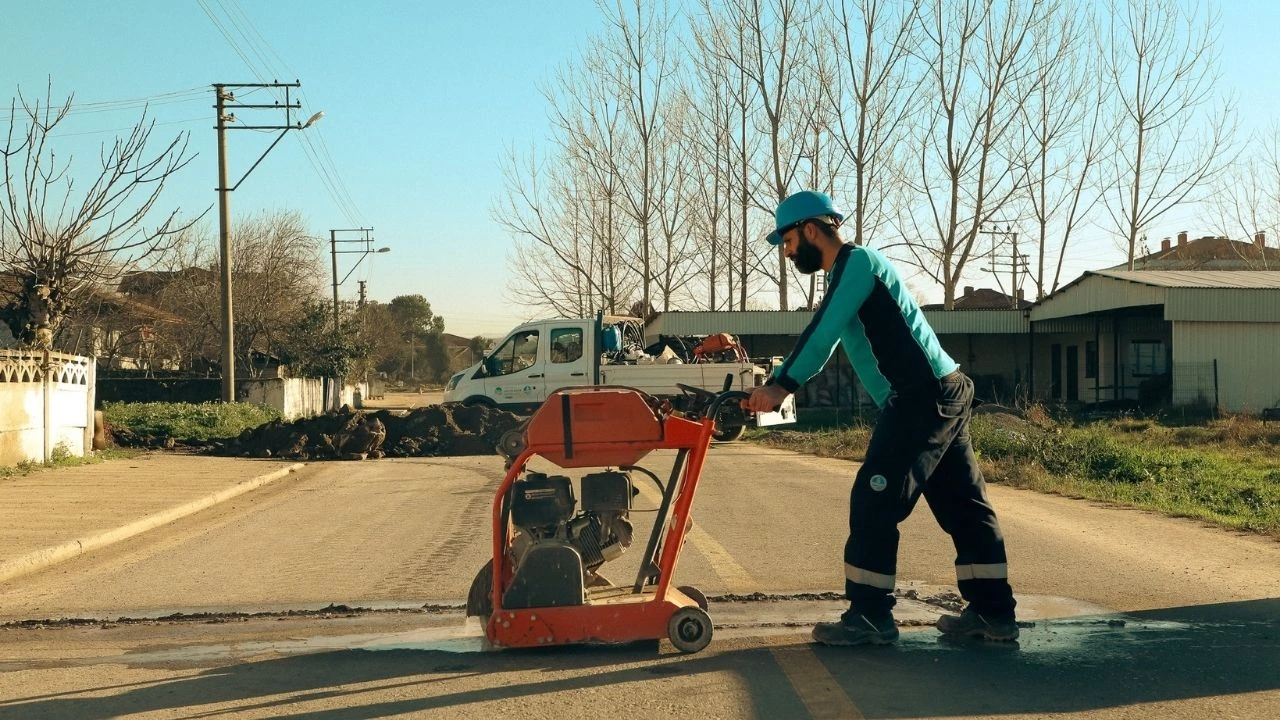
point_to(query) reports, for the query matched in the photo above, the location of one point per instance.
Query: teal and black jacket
(869, 310)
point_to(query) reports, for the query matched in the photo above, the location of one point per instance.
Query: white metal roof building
(1207, 337)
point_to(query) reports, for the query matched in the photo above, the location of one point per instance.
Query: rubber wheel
(695, 595)
(689, 629)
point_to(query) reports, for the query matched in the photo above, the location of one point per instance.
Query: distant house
(122, 333)
(119, 331)
(150, 283)
(1209, 253)
(983, 299)
(459, 349)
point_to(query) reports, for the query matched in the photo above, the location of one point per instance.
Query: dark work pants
(921, 445)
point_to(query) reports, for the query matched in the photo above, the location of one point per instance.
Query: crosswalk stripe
(818, 690)
(734, 577)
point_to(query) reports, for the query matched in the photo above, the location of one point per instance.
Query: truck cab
(533, 360)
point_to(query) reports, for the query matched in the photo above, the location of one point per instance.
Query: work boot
(856, 629)
(971, 623)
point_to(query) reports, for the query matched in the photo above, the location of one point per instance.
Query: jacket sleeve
(835, 314)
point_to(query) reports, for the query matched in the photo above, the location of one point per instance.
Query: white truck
(540, 357)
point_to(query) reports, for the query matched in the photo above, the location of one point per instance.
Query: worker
(921, 443)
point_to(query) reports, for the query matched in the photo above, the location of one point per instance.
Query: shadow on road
(1059, 666)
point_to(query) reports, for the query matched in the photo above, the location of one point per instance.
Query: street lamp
(334, 252)
(224, 97)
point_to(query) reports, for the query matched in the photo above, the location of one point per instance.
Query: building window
(1091, 359)
(1146, 357)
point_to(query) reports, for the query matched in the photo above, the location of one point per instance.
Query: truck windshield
(517, 353)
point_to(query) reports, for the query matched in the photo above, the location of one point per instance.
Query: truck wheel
(479, 400)
(728, 434)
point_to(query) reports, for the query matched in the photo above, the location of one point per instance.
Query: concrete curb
(40, 559)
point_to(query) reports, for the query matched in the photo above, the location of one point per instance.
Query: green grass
(1226, 471)
(62, 457)
(187, 422)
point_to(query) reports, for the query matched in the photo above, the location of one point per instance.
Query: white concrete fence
(46, 402)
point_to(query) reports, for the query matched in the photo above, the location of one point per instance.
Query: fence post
(46, 366)
(1215, 388)
(91, 389)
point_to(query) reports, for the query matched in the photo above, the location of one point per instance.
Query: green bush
(187, 422)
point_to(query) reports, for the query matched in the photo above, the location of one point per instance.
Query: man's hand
(765, 398)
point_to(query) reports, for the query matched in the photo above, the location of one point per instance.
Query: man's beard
(807, 258)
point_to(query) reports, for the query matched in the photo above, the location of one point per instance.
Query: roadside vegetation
(1225, 471)
(61, 457)
(167, 424)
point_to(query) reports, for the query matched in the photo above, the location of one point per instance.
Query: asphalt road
(1135, 615)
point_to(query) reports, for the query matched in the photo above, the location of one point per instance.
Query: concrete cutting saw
(542, 585)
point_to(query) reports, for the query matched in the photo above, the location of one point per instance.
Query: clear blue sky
(421, 100)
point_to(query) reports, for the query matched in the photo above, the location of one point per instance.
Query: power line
(167, 98)
(188, 121)
(320, 159)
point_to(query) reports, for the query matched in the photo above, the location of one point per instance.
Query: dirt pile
(349, 434)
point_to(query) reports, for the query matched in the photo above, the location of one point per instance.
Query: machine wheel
(694, 594)
(479, 598)
(689, 629)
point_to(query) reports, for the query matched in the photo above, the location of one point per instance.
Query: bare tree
(564, 258)
(589, 119)
(722, 39)
(774, 60)
(981, 69)
(635, 57)
(709, 151)
(872, 122)
(1065, 134)
(278, 271)
(56, 240)
(1246, 199)
(675, 267)
(1162, 61)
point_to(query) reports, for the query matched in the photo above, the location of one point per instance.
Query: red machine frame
(616, 427)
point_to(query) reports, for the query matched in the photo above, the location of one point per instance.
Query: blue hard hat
(804, 205)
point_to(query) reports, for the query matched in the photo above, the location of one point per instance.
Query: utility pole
(225, 97)
(360, 304)
(366, 242)
(1017, 260)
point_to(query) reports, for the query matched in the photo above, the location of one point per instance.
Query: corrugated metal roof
(1196, 278)
(1095, 292)
(793, 322)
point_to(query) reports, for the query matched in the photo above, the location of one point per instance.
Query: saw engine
(555, 552)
